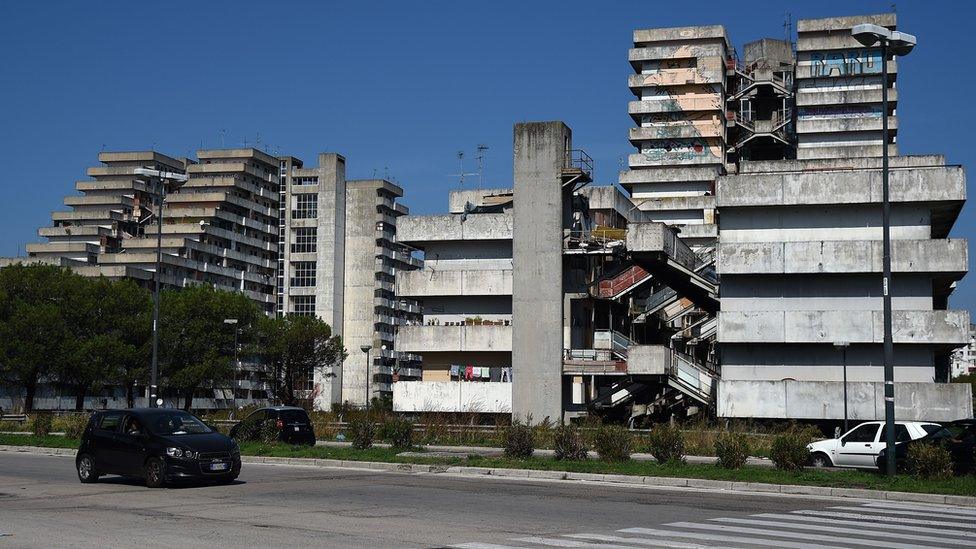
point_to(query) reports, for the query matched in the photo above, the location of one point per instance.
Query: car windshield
(949, 431)
(178, 423)
(294, 416)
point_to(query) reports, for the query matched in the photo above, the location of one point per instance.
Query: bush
(73, 426)
(613, 443)
(519, 440)
(929, 462)
(666, 443)
(361, 432)
(40, 424)
(732, 450)
(568, 443)
(398, 432)
(268, 432)
(789, 449)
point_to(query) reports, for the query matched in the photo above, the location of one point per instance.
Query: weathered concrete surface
(418, 339)
(426, 283)
(648, 359)
(452, 396)
(857, 326)
(851, 256)
(542, 210)
(679, 33)
(416, 229)
(659, 238)
(825, 400)
(459, 198)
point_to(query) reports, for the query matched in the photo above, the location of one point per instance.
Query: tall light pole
(237, 361)
(365, 349)
(895, 43)
(161, 178)
(843, 345)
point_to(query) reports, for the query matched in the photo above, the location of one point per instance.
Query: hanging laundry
(468, 372)
(455, 370)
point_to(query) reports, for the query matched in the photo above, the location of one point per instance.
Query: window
(304, 273)
(863, 433)
(110, 422)
(305, 238)
(303, 305)
(901, 434)
(306, 206)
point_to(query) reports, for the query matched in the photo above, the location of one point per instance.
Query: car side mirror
(843, 442)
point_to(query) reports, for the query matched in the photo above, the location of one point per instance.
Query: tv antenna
(481, 163)
(461, 175)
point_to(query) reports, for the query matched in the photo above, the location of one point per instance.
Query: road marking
(841, 530)
(876, 518)
(641, 541)
(923, 507)
(476, 545)
(792, 535)
(729, 539)
(824, 520)
(940, 514)
(554, 542)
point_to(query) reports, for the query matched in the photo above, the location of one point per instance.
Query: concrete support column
(330, 263)
(541, 208)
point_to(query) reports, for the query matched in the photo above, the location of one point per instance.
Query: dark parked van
(158, 444)
(291, 423)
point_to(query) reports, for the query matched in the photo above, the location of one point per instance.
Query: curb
(533, 474)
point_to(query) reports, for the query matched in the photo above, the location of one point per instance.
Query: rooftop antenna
(788, 30)
(481, 163)
(461, 175)
(258, 143)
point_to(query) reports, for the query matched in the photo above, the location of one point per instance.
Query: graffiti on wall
(845, 62)
(676, 150)
(831, 112)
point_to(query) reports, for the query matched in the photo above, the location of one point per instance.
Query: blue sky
(397, 87)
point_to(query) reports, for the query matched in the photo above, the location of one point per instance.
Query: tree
(195, 345)
(296, 348)
(34, 335)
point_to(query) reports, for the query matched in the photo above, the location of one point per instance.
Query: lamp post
(237, 361)
(161, 178)
(365, 349)
(843, 345)
(894, 43)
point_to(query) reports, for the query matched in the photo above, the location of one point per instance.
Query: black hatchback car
(290, 423)
(958, 437)
(158, 444)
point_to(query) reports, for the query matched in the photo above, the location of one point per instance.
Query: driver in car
(134, 427)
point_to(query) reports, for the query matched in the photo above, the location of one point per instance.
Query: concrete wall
(452, 396)
(417, 229)
(813, 362)
(825, 400)
(420, 339)
(541, 208)
(428, 282)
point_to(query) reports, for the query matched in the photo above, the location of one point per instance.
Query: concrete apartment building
(337, 258)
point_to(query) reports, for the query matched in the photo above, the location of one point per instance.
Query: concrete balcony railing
(815, 96)
(452, 396)
(679, 131)
(678, 77)
(825, 400)
(678, 104)
(433, 228)
(947, 328)
(428, 283)
(839, 125)
(852, 256)
(665, 158)
(421, 339)
(656, 53)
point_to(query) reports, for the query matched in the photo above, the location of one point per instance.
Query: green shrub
(732, 450)
(666, 443)
(613, 443)
(398, 432)
(361, 432)
(40, 424)
(268, 431)
(789, 448)
(519, 440)
(929, 462)
(568, 443)
(73, 425)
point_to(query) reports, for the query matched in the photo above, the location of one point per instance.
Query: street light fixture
(365, 349)
(237, 361)
(843, 345)
(895, 43)
(161, 179)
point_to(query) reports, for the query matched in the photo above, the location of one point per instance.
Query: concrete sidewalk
(461, 451)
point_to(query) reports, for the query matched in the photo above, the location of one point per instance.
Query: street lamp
(843, 345)
(896, 43)
(237, 361)
(365, 349)
(161, 179)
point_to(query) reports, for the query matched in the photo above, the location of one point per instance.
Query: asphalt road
(42, 504)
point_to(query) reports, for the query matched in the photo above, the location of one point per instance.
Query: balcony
(427, 283)
(452, 396)
(421, 339)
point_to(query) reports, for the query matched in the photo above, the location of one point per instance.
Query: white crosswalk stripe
(892, 525)
(874, 533)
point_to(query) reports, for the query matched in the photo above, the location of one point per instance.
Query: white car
(860, 446)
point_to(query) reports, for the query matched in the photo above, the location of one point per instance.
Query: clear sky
(396, 87)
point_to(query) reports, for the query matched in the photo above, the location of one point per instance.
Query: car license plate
(296, 429)
(218, 466)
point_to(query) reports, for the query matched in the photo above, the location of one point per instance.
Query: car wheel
(87, 473)
(820, 459)
(155, 477)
